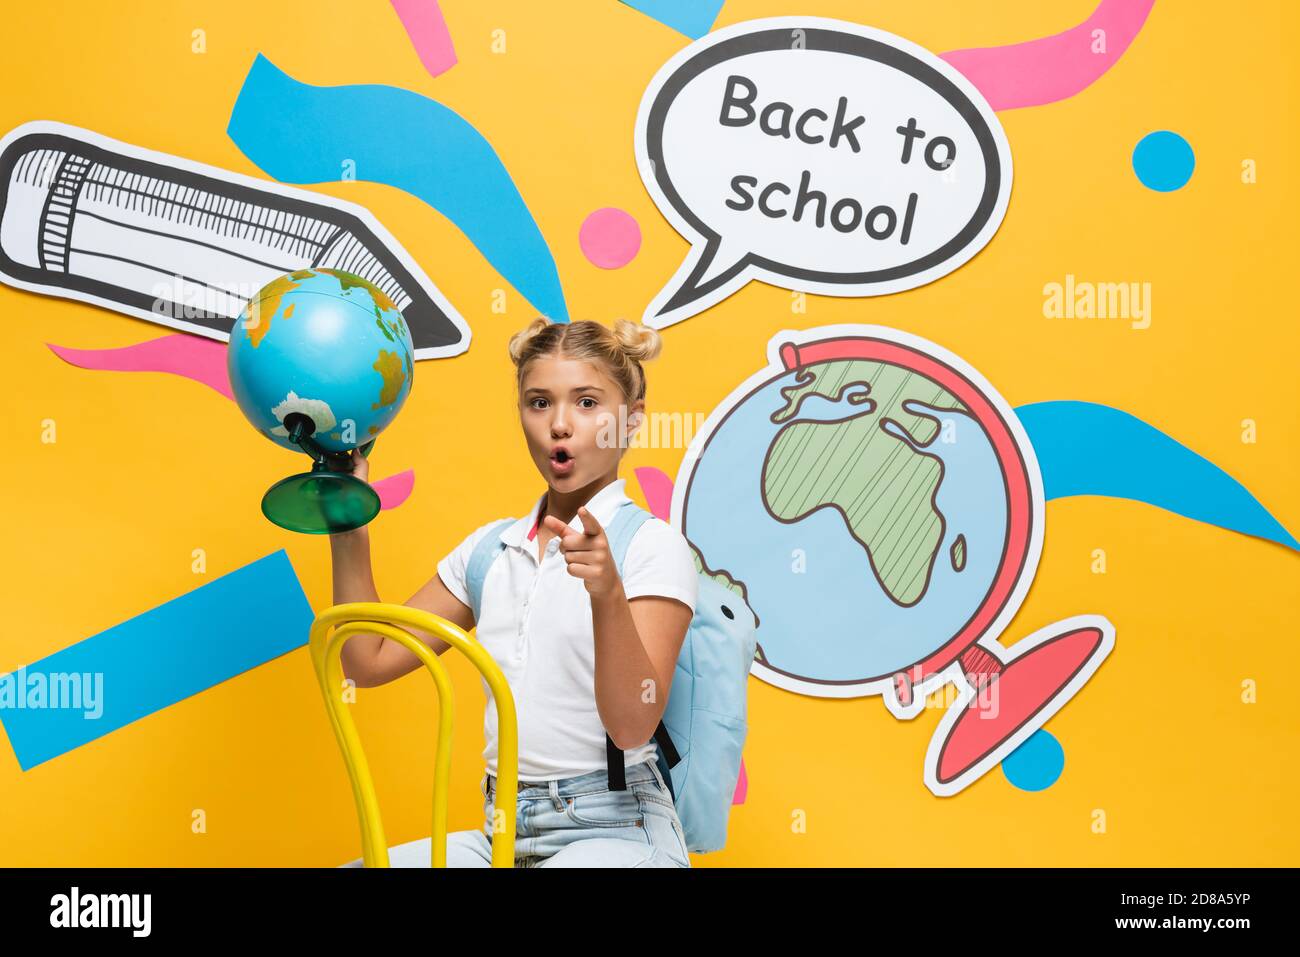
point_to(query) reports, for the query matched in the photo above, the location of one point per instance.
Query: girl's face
(575, 419)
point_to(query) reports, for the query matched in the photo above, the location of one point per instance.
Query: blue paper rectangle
(237, 622)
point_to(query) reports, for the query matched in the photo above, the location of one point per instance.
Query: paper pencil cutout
(184, 244)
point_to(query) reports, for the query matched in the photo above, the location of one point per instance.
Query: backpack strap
(624, 525)
(480, 560)
(627, 520)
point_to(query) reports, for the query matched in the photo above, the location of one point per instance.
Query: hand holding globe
(321, 362)
(359, 465)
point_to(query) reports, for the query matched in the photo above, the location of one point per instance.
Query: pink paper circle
(610, 238)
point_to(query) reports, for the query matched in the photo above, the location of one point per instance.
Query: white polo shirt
(535, 621)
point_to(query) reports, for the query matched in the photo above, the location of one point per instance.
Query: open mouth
(561, 460)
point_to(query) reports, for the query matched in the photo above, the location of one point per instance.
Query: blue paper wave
(300, 133)
(691, 17)
(1084, 448)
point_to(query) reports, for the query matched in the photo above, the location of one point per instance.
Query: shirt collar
(602, 507)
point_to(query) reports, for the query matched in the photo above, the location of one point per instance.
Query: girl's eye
(588, 398)
(534, 404)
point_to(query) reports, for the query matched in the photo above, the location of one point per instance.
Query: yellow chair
(335, 626)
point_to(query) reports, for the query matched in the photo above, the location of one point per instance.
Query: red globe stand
(1009, 698)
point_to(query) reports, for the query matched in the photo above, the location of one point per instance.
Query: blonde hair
(618, 351)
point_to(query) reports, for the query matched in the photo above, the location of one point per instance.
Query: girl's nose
(560, 424)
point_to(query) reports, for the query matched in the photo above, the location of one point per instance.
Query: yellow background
(100, 526)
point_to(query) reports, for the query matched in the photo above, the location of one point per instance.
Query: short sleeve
(453, 566)
(659, 562)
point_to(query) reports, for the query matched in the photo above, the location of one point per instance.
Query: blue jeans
(573, 822)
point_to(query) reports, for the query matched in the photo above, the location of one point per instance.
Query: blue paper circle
(1163, 161)
(1036, 764)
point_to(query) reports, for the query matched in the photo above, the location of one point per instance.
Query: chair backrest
(331, 629)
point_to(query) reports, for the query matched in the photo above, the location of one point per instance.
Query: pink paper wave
(395, 489)
(658, 490)
(427, 29)
(193, 357)
(1056, 67)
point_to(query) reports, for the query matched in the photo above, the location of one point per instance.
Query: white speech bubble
(817, 155)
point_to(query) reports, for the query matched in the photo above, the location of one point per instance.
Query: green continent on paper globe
(883, 486)
(328, 344)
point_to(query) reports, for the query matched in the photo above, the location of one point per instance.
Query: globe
(321, 362)
(327, 344)
(874, 500)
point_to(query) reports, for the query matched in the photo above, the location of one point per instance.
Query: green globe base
(320, 503)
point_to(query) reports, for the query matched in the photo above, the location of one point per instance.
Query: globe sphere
(327, 344)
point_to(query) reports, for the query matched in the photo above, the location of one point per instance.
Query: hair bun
(638, 341)
(519, 341)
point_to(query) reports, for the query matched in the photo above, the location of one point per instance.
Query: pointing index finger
(589, 523)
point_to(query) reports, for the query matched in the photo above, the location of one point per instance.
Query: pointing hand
(587, 553)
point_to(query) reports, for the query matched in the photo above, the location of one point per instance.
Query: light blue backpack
(702, 734)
